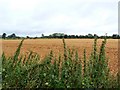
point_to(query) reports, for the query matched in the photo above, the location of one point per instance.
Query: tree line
(60, 35)
(12, 36)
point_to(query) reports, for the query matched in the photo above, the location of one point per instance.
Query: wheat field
(43, 47)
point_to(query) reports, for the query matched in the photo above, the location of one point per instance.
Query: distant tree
(12, 36)
(90, 35)
(102, 37)
(95, 35)
(77, 36)
(69, 36)
(65, 36)
(4, 35)
(115, 36)
(81, 36)
(42, 35)
(54, 35)
(27, 37)
(50, 36)
(72, 36)
(18, 37)
(35, 37)
(57, 35)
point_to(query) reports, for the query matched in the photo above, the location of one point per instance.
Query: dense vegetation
(66, 71)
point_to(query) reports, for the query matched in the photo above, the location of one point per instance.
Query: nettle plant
(65, 71)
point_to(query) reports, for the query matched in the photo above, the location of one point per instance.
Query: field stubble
(43, 47)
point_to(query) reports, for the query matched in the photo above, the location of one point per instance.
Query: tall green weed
(66, 71)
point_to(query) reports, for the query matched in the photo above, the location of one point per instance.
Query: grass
(66, 71)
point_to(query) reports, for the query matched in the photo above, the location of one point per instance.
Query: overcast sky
(34, 17)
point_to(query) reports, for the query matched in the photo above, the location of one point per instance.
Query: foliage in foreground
(66, 71)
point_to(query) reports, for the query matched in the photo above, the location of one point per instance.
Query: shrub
(63, 72)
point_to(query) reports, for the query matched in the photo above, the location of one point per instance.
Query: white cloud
(33, 17)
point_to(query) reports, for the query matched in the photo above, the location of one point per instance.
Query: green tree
(12, 36)
(42, 35)
(4, 35)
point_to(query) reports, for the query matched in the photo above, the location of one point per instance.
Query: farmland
(60, 63)
(43, 47)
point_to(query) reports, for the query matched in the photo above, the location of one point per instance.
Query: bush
(67, 71)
